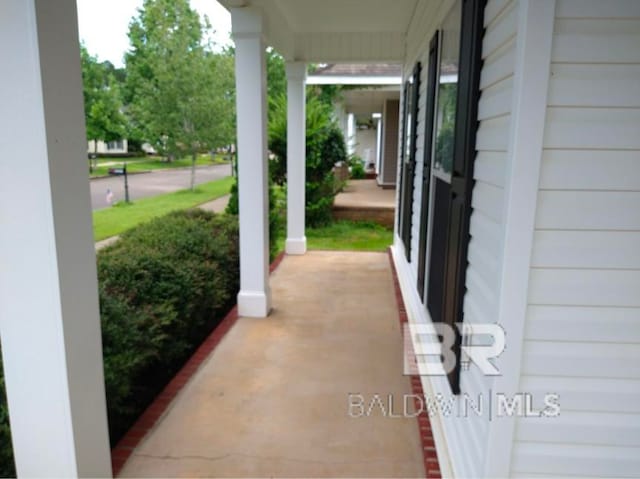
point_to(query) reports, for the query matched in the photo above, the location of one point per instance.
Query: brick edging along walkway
(125, 447)
(431, 465)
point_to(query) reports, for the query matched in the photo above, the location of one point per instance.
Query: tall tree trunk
(193, 170)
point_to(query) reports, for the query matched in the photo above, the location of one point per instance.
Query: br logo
(433, 347)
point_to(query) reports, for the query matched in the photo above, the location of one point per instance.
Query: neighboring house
(367, 112)
(108, 148)
(518, 204)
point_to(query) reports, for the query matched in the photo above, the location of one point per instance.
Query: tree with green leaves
(325, 147)
(103, 108)
(181, 93)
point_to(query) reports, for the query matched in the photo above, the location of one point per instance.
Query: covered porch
(303, 32)
(291, 396)
(47, 246)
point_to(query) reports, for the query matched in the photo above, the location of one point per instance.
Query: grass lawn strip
(121, 217)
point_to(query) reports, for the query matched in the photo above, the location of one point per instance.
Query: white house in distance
(109, 148)
(368, 112)
(518, 205)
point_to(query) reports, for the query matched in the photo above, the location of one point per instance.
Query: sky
(104, 24)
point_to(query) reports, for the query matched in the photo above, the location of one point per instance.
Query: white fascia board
(353, 80)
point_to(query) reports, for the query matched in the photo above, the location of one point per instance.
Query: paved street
(152, 184)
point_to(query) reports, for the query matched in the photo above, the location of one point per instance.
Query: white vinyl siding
(582, 331)
(485, 254)
(466, 438)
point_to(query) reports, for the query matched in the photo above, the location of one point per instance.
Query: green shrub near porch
(325, 146)
(163, 287)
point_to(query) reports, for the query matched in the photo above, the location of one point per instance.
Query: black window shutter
(426, 160)
(400, 215)
(410, 164)
(462, 173)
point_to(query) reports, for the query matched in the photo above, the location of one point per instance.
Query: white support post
(530, 89)
(379, 148)
(296, 157)
(351, 134)
(49, 319)
(254, 299)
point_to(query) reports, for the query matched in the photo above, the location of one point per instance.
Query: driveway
(152, 184)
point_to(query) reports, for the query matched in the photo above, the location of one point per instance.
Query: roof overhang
(333, 31)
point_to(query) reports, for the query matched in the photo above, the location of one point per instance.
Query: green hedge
(163, 287)
(277, 213)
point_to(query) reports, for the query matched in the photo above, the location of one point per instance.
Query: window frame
(431, 92)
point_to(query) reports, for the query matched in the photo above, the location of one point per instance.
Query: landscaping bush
(325, 147)
(356, 168)
(163, 287)
(277, 213)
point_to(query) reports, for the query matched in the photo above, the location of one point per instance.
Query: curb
(159, 169)
(113, 176)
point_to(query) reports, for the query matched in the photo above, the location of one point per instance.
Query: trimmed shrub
(277, 212)
(357, 170)
(163, 287)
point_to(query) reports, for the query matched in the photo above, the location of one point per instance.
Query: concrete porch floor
(364, 200)
(365, 193)
(272, 398)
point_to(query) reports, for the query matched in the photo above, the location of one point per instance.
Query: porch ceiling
(331, 31)
(368, 100)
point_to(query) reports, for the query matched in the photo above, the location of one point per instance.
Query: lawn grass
(149, 163)
(350, 236)
(121, 217)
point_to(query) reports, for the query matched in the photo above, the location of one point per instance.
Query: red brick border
(125, 447)
(431, 465)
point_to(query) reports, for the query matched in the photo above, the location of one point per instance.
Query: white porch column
(49, 319)
(379, 147)
(296, 157)
(254, 298)
(351, 134)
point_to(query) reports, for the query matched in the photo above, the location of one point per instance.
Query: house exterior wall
(582, 330)
(366, 145)
(582, 326)
(466, 437)
(108, 147)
